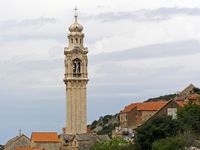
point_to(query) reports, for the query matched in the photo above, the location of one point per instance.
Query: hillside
(105, 124)
(165, 97)
(191, 89)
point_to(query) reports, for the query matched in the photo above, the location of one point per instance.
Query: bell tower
(76, 79)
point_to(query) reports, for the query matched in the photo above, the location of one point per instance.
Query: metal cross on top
(75, 13)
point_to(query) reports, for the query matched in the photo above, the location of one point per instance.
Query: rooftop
(146, 106)
(44, 137)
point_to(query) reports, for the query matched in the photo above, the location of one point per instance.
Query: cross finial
(75, 13)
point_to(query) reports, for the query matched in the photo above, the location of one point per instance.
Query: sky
(138, 49)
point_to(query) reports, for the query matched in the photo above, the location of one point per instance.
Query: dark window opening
(76, 68)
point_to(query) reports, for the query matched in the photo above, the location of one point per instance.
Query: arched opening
(76, 41)
(76, 67)
(80, 41)
(71, 40)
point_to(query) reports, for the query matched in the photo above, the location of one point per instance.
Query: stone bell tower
(76, 79)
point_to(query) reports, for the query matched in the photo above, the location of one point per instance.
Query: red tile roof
(180, 103)
(44, 137)
(151, 105)
(144, 106)
(129, 107)
(194, 97)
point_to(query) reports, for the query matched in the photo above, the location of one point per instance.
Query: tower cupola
(76, 27)
(75, 35)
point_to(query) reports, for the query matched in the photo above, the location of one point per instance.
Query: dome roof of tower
(76, 27)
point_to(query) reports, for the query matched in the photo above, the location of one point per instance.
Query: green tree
(156, 129)
(189, 118)
(114, 144)
(187, 139)
(169, 143)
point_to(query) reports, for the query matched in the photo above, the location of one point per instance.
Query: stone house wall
(123, 120)
(163, 111)
(46, 145)
(20, 142)
(132, 119)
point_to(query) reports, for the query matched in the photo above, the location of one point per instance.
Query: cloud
(172, 49)
(40, 21)
(145, 14)
(36, 28)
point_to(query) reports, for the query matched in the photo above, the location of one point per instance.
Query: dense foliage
(178, 142)
(169, 143)
(164, 132)
(155, 129)
(114, 144)
(189, 118)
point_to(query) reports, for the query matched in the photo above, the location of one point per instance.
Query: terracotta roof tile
(144, 106)
(44, 137)
(151, 105)
(129, 107)
(180, 103)
(194, 97)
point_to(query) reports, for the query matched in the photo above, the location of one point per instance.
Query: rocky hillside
(105, 124)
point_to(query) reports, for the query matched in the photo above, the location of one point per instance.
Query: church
(75, 135)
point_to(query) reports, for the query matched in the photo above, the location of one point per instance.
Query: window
(126, 118)
(172, 112)
(72, 41)
(80, 41)
(76, 41)
(76, 67)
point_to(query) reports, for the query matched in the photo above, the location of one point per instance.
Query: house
(127, 117)
(17, 142)
(81, 141)
(169, 109)
(45, 140)
(135, 114)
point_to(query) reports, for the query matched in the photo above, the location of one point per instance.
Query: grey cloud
(145, 14)
(40, 21)
(151, 51)
(27, 29)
